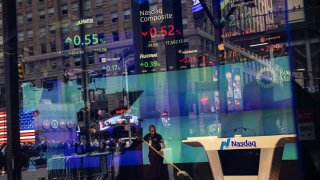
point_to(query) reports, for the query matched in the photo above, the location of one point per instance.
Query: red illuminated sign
(274, 47)
(230, 54)
(164, 31)
(121, 111)
(188, 60)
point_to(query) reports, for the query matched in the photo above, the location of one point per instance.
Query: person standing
(156, 160)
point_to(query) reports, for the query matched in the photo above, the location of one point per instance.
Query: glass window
(52, 29)
(19, 2)
(115, 36)
(128, 33)
(66, 63)
(114, 17)
(51, 12)
(54, 64)
(99, 3)
(153, 60)
(75, 7)
(127, 14)
(87, 4)
(42, 32)
(64, 9)
(29, 17)
(21, 36)
(99, 19)
(185, 23)
(19, 19)
(65, 27)
(28, 2)
(42, 15)
(43, 48)
(77, 61)
(30, 34)
(53, 46)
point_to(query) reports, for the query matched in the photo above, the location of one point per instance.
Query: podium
(271, 150)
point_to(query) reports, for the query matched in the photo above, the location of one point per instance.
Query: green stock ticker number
(87, 39)
(150, 64)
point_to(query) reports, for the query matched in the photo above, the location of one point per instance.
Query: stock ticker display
(168, 38)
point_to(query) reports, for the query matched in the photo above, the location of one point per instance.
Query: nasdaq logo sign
(236, 143)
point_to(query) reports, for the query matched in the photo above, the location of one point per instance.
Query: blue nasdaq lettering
(243, 143)
(246, 143)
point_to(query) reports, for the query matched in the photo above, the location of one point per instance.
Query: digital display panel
(167, 50)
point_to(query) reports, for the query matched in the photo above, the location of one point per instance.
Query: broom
(181, 174)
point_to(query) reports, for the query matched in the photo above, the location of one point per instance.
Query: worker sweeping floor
(181, 174)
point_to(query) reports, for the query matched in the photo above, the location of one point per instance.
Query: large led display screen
(258, 101)
(192, 69)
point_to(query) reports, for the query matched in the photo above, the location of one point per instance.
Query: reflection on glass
(98, 73)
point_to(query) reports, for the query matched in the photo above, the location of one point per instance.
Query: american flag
(27, 130)
(3, 127)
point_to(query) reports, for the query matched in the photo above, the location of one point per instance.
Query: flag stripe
(27, 131)
(27, 134)
(28, 137)
(27, 140)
